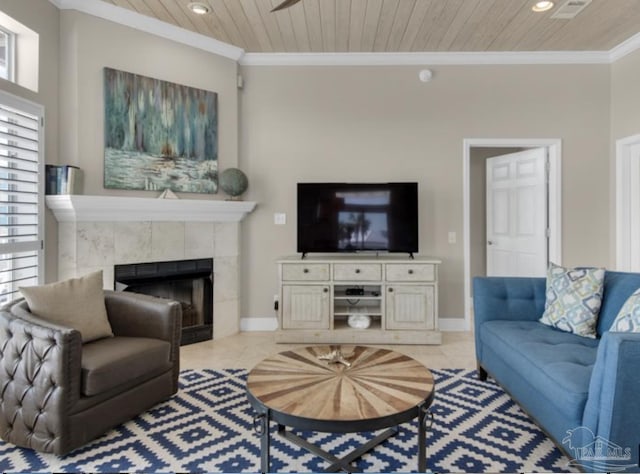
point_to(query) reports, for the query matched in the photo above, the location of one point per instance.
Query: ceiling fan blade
(285, 4)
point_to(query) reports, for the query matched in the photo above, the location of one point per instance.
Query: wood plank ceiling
(400, 25)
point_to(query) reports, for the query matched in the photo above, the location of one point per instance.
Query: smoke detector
(570, 9)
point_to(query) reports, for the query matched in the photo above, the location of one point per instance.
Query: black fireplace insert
(190, 282)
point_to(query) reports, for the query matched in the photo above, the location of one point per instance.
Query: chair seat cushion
(107, 363)
(558, 362)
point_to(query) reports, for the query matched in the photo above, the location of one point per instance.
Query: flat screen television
(357, 217)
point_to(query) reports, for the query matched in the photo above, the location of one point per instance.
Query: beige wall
(43, 18)
(625, 97)
(88, 45)
(383, 124)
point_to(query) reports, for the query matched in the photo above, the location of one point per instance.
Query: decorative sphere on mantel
(233, 182)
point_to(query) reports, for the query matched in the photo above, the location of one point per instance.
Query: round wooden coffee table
(340, 389)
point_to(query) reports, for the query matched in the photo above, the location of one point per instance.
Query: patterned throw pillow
(574, 297)
(628, 318)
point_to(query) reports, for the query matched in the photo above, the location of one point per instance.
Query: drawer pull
(357, 270)
(410, 271)
(326, 290)
(390, 290)
(306, 270)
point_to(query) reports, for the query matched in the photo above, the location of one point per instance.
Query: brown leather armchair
(56, 394)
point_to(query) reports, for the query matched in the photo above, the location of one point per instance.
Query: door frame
(624, 187)
(554, 145)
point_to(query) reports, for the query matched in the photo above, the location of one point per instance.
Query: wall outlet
(279, 218)
(452, 237)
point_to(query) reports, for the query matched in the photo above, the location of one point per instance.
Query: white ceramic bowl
(359, 321)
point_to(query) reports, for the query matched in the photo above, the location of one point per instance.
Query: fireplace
(190, 282)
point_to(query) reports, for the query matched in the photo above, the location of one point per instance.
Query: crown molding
(624, 48)
(135, 20)
(420, 59)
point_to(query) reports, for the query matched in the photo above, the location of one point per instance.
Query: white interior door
(517, 242)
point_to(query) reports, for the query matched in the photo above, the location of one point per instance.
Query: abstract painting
(159, 135)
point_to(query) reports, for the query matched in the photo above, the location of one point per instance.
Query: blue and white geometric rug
(207, 427)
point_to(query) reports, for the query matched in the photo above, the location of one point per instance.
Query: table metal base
(339, 464)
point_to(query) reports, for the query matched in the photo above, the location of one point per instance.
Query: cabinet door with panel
(305, 306)
(410, 307)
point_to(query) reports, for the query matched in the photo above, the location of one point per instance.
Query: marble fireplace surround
(98, 232)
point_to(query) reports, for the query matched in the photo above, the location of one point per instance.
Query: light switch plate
(279, 218)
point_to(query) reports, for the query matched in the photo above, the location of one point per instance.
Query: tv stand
(398, 295)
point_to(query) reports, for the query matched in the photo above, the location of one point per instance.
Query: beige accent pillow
(77, 303)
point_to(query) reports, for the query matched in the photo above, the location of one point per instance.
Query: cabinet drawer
(305, 272)
(357, 272)
(411, 272)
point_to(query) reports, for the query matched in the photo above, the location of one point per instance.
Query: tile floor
(246, 349)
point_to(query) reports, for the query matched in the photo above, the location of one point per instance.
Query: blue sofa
(565, 382)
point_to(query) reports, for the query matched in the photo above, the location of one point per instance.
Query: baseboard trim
(453, 324)
(258, 324)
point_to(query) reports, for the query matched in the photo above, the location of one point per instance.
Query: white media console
(398, 297)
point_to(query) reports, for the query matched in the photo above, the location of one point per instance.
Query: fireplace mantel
(81, 208)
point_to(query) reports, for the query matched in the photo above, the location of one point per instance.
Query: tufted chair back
(41, 405)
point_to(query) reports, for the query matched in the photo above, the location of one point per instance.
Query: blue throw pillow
(574, 297)
(628, 318)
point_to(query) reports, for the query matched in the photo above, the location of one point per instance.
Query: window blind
(21, 195)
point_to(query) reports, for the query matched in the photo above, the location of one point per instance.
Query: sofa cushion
(628, 319)
(76, 303)
(107, 363)
(574, 297)
(559, 363)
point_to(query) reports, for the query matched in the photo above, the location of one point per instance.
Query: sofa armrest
(39, 381)
(612, 410)
(507, 298)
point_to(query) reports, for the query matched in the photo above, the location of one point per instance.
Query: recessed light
(542, 6)
(199, 8)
